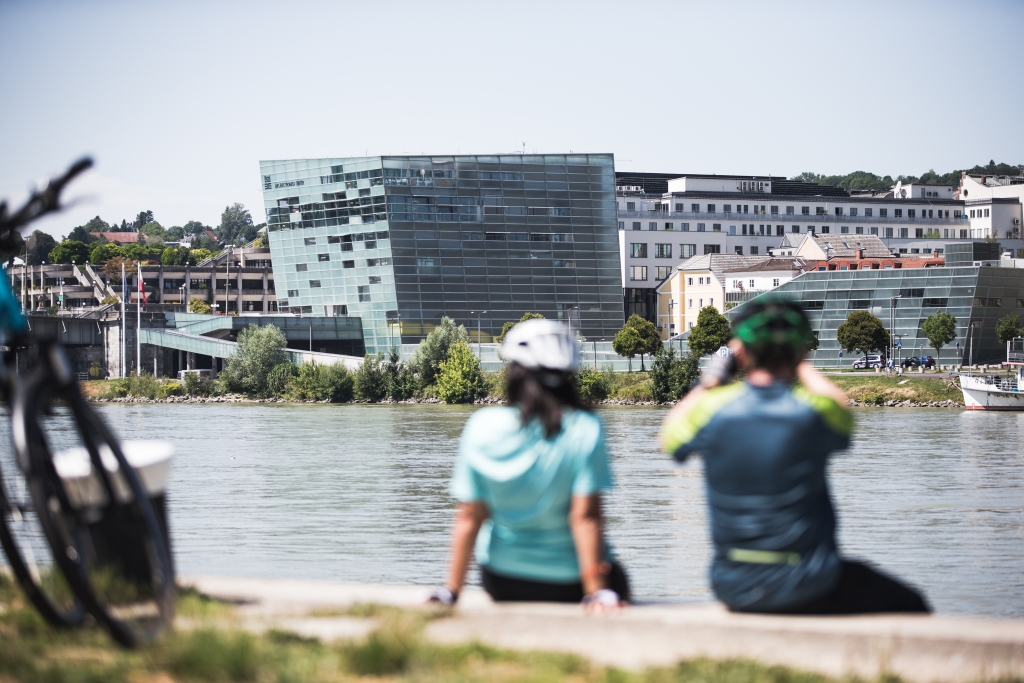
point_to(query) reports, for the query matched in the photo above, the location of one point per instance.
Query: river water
(358, 493)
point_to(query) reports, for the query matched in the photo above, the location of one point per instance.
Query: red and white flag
(142, 292)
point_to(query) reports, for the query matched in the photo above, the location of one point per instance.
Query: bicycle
(78, 525)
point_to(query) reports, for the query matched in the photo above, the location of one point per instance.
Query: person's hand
(719, 370)
(602, 600)
(443, 596)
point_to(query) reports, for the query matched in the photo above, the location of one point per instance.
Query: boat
(987, 392)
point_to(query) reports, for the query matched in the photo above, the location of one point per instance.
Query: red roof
(118, 237)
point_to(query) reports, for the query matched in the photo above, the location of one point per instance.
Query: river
(358, 493)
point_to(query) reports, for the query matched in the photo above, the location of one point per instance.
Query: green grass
(217, 651)
(871, 388)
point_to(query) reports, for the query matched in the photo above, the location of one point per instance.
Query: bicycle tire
(51, 379)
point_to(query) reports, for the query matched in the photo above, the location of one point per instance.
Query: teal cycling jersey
(765, 452)
(527, 482)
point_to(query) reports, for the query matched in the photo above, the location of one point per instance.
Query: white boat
(985, 392)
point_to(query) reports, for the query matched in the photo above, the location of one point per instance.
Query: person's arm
(468, 518)
(587, 524)
(817, 383)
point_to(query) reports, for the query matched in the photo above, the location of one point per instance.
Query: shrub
(371, 382)
(459, 379)
(316, 382)
(107, 300)
(143, 386)
(260, 349)
(592, 385)
(672, 376)
(170, 388)
(402, 382)
(640, 392)
(197, 305)
(279, 378)
(193, 384)
(117, 388)
(433, 350)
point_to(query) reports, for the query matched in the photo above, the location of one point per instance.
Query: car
(919, 361)
(873, 361)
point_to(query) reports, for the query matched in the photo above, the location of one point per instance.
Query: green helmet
(772, 320)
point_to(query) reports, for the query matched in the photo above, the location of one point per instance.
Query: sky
(178, 102)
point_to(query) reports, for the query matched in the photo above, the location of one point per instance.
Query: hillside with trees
(863, 180)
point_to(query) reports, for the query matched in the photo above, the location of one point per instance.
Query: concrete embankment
(915, 648)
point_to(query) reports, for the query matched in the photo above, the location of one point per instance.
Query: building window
(293, 292)
(753, 251)
(956, 213)
(897, 213)
(700, 227)
(662, 251)
(309, 241)
(805, 210)
(622, 225)
(662, 272)
(636, 225)
(687, 251)
(868, 212)
(711, 208)
(810, 229)
(685, 227)
(739, 251)
(630, 206)
(751, 284)
(919, 232)
(375, 279)
(652, 226)
(888, 233)
(700, 281)
(775, 210)
(775, 282)
(364, 292)
(986, 213)
(323, 257)
(668, 226)
(853, 211)
(711, 301)
(689, 281)
(638, 251)
(712, 249)
(963, 234)
(300, 267)
(904, 232)
(727, 208)
(348, 264)
(695, 207)
(314, 283)
(716, 227)
(679, 207)
(825, 229)
(911, 213)
(844, 230)
(839, 211)
(700, 303)
(795, 229)
(691, 300)
(780, 230)
(874, 231)
(790, 210)
(638, 272)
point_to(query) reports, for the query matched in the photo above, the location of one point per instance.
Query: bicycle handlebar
(39, 204)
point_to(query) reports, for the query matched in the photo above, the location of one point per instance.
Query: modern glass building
(401, 241)
(976, 296)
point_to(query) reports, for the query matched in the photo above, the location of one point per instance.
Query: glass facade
(402, 241)
(976, 296)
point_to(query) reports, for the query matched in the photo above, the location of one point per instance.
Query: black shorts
(510, 589)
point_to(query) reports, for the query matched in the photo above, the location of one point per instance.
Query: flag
(142, 292)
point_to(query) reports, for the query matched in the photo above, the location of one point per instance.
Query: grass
(872, 388)
(32, 652)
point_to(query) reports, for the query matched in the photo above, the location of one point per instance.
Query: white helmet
(541, 344)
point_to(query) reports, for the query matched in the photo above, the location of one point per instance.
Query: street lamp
(478, 343)
(892, 325)
(181, 298)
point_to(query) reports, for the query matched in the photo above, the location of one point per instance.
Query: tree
(371, 382)
(459, 379)
(628, 343)
(940, 328)
(175, 256)
(648, 333)
(433, 350)
(512, 323)
(862, 332)
(710, 333)
(317, 382)
(68, 251)
(140, 220)
(259, 349)
(83, 232)
(204, 241)
(102, 253)
(1007, 328)
(196, 256)
(236, 225)
(38, 247)
(175, 233)
(401, 380)
(813, 344)
(280, 378)
(112, 269)
(197, 305)
(153, 232)
(672, 376)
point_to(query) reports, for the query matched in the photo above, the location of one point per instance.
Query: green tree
(317, 382)
(1007, 328)
(940, 328)
(433, 350)
(280, 377)
(813, 344)
(260, 348)
(175, 233)
(140, 220)
(68, 251)
(459, 379)
(153, 232)
(38, 247)
(197, 256)
(175, 256)
(236, 225)
(710, 333)
(628, 343)
(401, 380)
(862, 332)
(203, 241)
(592, 385)
(672, 376)
(512, 323)
(102, 253)
(112, 269)
(648, 333)
(83, 232)
(197, 305)
(371, 382)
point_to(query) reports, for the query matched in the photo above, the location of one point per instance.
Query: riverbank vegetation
(215, 646)
(875, 389)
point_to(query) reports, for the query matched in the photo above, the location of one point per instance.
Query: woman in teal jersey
(529, 479)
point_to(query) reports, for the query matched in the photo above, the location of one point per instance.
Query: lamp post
(181, 298)
(479, 350)
(892, 324)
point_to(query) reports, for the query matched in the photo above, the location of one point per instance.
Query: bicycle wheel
(104, 530)
(28, 553)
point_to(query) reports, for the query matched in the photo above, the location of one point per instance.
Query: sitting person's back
(765, 446)
(529, 480)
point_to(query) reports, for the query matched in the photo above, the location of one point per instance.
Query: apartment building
(994, 206)
(663, 220)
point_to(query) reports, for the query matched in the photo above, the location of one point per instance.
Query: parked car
(872, 361)
(919, 361)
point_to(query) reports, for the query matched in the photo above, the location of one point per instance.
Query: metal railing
(807, 218)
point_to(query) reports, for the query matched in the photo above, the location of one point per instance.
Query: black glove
(719, 370)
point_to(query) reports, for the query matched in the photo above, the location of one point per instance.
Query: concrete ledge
(916, 648)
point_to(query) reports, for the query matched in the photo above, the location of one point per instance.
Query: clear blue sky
(178, 101)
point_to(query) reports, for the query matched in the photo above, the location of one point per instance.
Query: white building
(665, 218)
(994, 207)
